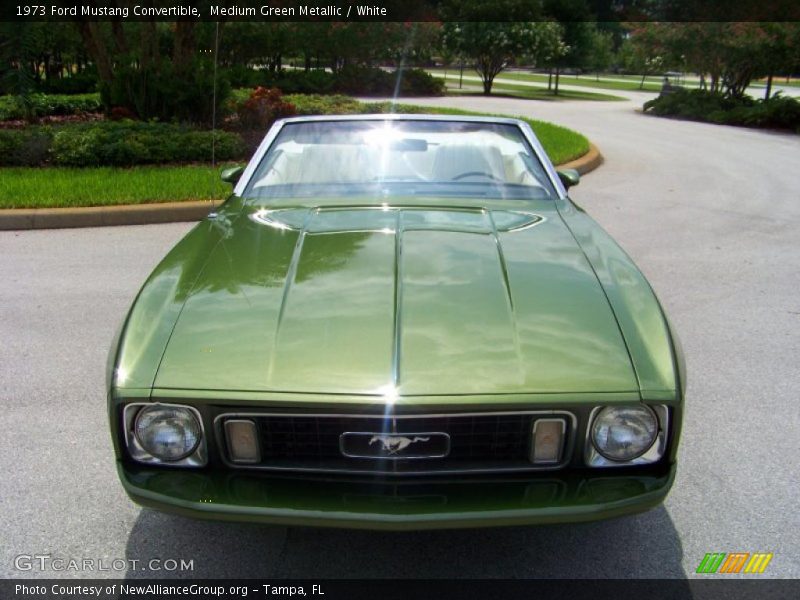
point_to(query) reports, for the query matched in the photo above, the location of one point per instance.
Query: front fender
(636, 307)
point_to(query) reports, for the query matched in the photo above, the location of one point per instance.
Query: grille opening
(478, 442)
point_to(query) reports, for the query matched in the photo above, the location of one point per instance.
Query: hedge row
(317, 104)
(41, 105)
(78, 83)
(352, 80)
(779, 112)
(361, 81)
(108, 143)
(128, 143)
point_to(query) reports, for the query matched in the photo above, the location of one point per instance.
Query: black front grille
(483, 442)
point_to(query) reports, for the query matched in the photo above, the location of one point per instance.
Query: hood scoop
(393, 219)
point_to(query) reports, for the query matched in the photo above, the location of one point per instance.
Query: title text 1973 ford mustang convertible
(397, 322)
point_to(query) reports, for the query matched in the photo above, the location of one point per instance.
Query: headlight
(168, 433)
(623, 433)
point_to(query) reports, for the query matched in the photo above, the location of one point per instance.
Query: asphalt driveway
(711, 215)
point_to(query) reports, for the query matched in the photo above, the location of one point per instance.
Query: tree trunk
(769, 87)
(149, 40)
(641, 83)
(119, 37)
(58, 66)
(549, 80)
(487, 78)
(558, 76)
(97, 50)
(184, 44)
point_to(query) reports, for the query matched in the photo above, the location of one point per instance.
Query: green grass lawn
(631, 83)
(587, 80)
(529, 93)
(53, 187)
(544, 94)
(32, 187)
(762, 83)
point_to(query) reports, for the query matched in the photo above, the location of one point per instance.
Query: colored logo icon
(734, 562)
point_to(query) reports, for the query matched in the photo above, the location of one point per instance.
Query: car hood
(405, 300)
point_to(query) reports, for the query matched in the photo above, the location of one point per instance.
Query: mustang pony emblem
(393, 444)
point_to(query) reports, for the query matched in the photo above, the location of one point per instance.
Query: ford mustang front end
(397, 322)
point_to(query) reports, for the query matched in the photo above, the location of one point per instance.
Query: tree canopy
(731, 55)
(166, 70)
(493, 47)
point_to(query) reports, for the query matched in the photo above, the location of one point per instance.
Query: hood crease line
(398, 297)
(291, 272)
(507, 284)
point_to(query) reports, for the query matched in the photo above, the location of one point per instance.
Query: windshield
(334, 159)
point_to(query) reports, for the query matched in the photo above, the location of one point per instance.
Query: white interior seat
(452, 160)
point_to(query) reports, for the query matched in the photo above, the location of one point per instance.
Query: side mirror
(569, 177)
(232, 175)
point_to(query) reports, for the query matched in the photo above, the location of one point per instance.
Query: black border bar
(399, 10)
(382, 589)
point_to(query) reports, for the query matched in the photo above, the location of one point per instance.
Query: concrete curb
(103, 216)
(167, 212)
(586, 163)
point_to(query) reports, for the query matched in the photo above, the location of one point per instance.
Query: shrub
(779, 112)
(264, 107)
(416, 82)
(127, 143)
(165, 93)
(364, 81)
(317, 81)
(692, 104)
(700, 105)
(79, 83)
(24, 147)
(119, 113)
(315, 104)
(242, 76)
(369, 81)
(44, 105)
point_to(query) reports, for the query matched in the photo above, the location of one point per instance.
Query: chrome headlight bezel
(197, 458)
(653, 454)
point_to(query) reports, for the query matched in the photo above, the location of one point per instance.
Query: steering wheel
(475, 174)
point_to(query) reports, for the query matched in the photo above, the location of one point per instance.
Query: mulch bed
(53, 120)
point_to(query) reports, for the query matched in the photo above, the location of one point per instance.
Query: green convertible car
(397, 322)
